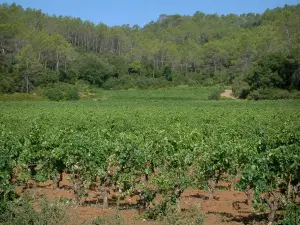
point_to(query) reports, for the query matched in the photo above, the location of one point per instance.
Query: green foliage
(205, 49)
(295, 94)
(215, 95)
(240, 89)
(168, 74)
(171, 154)
(192, 217)
(62, 91)
(93, 69)
(115, 219)
(72, 94)
(20, 97)
(291, 215)
(270, 93)
(7, 84)
(22, 212)
(54, 94)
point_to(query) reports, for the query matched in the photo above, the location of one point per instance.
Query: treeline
(254, 52)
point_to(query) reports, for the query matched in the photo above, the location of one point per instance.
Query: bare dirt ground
(228, 94)
(228, 207)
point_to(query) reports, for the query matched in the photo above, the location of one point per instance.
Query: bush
(135, 82)
(54, 94)
(72, 94)
(240, 89)
(123, 82)
(20, 97)
(270, 94)
(208, 82)
(82, 86)
(295, 95)
(62, 91)
(291, 215)
(215, 95)
(190, 217)
(282, 94)
(21, 212)
(168, 73)
(7, 83)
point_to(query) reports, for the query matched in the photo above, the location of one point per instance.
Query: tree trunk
(233, 182)
(249, 194)
(60, 178)
(292, 192)
(271, 217)
(153, 68)
(105, 197)
(232, 185)
(57, 61)
(27, 83)
(119, 47)
(287, 32)
(178, 205)
(76, 192)
(177, 192)
(215, 67)
(273, 201)
(211, 186)
(104, 190)
(26, 72)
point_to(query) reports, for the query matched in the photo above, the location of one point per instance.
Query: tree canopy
(260, 49)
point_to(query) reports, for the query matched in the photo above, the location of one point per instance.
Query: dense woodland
(255, 53)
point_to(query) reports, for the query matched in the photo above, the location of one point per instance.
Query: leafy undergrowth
(113, 219)
(24, 212)
(20, 97)
(191, 217)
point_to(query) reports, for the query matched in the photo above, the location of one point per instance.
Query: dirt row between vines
(228, 207)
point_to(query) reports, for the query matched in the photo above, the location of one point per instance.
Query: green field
(162, 134)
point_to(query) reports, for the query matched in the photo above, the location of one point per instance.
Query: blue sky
(118, 12)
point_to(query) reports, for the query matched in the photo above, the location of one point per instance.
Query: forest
(257, 54)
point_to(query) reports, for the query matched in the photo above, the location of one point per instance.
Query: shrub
(62, 91)
(192, 216)
(215, 95)
(240, 89)
(282, 94)
(7, 83)
(72, 94)
(54, 94)
(208, 82)
(269, 93)
(168, 73)
(20, 97)
(21, 212)
(295, 95)
(291, 215)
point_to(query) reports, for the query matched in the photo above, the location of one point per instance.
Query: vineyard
(155, 149)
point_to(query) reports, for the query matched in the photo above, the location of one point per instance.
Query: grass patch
(20, 97)
(22, 212)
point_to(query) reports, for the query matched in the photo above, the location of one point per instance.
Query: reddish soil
(228, 94)
(228, 207)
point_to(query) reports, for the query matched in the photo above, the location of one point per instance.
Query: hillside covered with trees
(255, 53)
